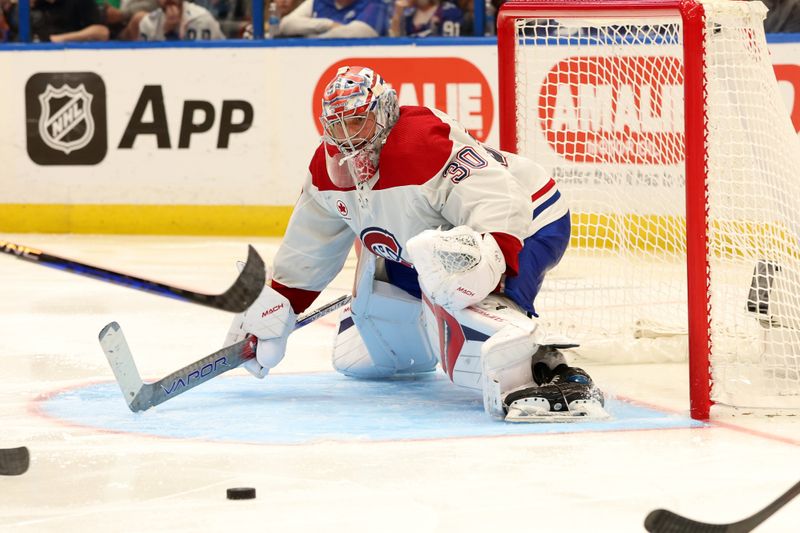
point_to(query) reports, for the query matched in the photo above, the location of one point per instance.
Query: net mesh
(600, 105)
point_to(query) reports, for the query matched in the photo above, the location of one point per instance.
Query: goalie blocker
(491, 346)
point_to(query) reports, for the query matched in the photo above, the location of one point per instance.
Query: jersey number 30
(467, 159)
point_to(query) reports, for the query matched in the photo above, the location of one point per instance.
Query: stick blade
(663, 521)
(121, 360)
(195, 374)
(245, 289)
(14, 461)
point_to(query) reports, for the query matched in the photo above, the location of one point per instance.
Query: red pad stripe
(451, 336)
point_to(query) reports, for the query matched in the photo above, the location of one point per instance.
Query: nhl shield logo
(65, 118)
(66, 122)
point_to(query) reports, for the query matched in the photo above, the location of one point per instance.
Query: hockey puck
(241, 493)
(14, 461)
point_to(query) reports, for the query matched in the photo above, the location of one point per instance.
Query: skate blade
(588, 412)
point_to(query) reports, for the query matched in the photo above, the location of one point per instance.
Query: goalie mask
(358, 112)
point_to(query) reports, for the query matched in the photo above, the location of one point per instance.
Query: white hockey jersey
(432, 174)
(197, 24)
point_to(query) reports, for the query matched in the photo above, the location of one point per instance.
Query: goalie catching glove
(271, 319)
(456, 268)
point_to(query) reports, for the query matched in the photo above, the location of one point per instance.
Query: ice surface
(325, 452)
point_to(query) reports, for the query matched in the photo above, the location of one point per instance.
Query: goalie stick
(663, 521)
(237, 298)
(14, 461)
(141, 396)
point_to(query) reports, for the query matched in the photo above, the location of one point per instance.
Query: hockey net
(594, 91)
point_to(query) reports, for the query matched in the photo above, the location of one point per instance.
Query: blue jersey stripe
(553, 199)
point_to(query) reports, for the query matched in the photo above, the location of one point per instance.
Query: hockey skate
(564, 394)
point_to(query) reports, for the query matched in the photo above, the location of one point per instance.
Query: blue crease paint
(307, 408)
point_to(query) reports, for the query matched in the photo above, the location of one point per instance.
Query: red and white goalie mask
(358, 111)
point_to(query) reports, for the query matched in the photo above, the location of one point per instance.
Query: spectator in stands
(337, 19)
(176, 20)
(8, 18)
(123, 19)
(421, 18)
(468, 13)
(102, 5)
(284, 8)
(61, 21)
(232, 15)
(783, 16)
(218, 8)
(237, 19)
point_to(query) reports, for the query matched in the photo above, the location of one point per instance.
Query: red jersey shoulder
(319, 170)
(416, 150)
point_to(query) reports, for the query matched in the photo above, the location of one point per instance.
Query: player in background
(176, 20)
(457, 238)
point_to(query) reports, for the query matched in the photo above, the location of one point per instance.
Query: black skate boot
(565, 393)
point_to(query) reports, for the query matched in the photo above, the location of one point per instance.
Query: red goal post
(588, 88)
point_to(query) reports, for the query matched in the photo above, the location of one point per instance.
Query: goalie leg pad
(351, 356)
(506, 363)
(495, 348)
(380, 334)
(487, 347)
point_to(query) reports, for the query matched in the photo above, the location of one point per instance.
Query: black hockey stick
(237, 298)
(663, 521)
(14, 461)
(141, 396)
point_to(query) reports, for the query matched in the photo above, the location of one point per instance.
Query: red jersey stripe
(299, 298)
(544, 190)
(511, 247)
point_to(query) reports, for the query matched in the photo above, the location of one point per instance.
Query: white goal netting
(600, 105)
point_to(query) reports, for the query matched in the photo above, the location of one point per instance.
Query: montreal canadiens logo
(383, 244)
(66, 122)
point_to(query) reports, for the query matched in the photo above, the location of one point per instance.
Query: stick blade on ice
(663, 521)
(121, 360)
(141, 396)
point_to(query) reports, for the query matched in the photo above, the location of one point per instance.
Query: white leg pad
(506, 364)
(380, 333)
(351, 356)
